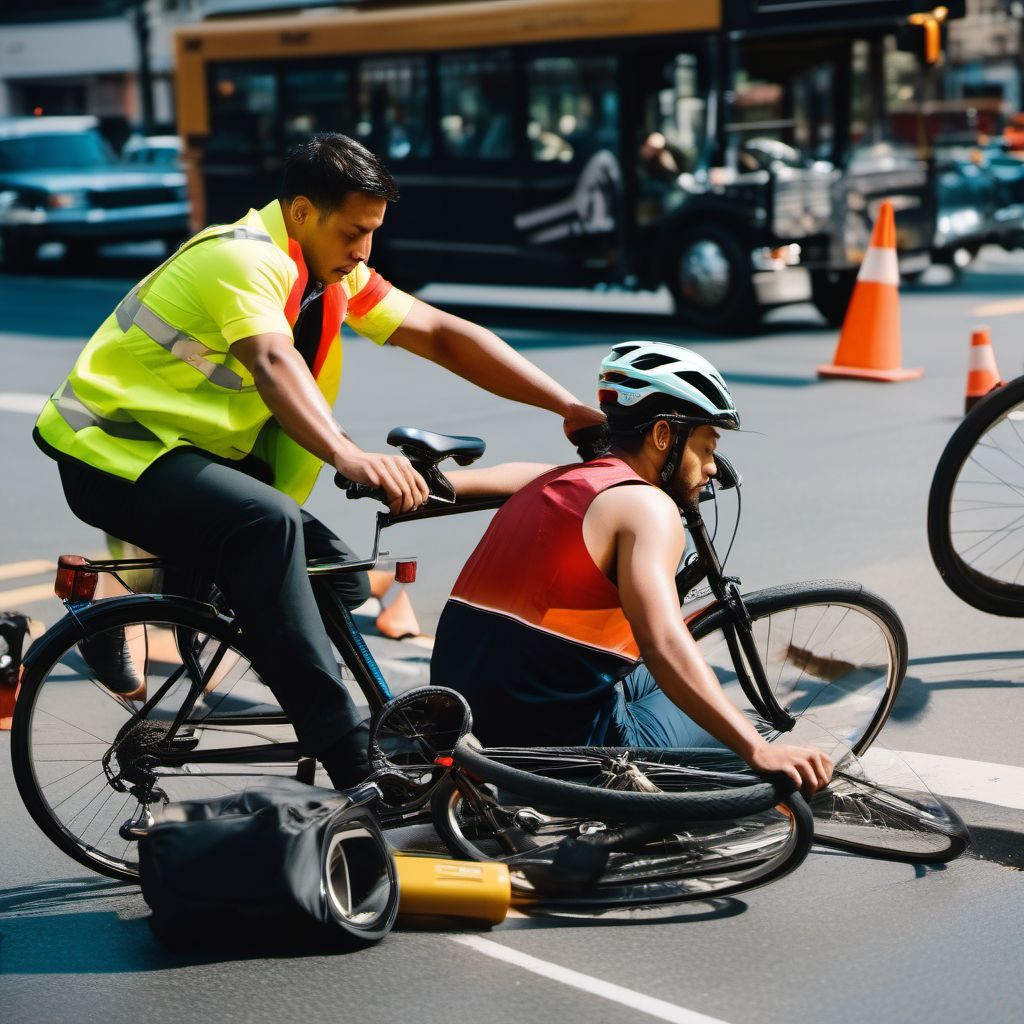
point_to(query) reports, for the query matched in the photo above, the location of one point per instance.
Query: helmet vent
(622, 350)
(623, 381)
(705, 387)
(652, 360)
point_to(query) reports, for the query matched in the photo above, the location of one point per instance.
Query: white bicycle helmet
(635, 370)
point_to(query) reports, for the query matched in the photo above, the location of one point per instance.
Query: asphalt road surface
(836, 476)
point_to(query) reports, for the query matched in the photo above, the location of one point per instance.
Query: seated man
(574, 581)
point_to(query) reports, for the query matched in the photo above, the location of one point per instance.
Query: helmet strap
(675, 455)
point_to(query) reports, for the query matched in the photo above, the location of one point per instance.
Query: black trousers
(223, 520)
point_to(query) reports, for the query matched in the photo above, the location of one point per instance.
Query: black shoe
(345, 760)
(111, 661)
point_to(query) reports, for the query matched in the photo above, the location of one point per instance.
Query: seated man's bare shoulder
(632, 517)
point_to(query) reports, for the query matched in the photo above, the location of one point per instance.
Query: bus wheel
(711, 280)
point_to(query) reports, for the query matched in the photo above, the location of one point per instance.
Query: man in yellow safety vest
(195, 421)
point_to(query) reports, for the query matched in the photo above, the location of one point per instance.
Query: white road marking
(595, 986)
(15, 401)
(1005, 307)
(13, 570)
(26, 595)
(956, 777)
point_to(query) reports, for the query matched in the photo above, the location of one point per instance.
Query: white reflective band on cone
(981, 357)
(880, 266)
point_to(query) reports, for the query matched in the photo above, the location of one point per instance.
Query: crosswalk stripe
(13, 570)
(959, 778)
(9, 599)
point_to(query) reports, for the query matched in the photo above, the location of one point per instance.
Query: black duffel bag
(285, 865)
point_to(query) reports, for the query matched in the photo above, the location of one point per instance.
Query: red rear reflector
(405, 572)
(607, 395)
(444, 762)
(74, 582)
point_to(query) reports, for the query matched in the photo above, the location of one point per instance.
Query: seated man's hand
(808, 767)
(394, 474)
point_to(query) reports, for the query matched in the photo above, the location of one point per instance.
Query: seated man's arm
(504, 479)
(649, 543)
(291, 394)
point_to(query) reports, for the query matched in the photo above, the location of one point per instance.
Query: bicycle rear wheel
(834, 654)
(976, 505)
(83, 754)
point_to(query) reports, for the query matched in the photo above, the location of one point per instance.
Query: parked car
(153, 151)
(60, 182)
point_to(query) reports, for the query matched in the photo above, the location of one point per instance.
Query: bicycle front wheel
(89, 753)
(833, 653)
(976, 505)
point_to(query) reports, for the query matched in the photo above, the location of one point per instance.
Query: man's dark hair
(328, 166)
(621, 431)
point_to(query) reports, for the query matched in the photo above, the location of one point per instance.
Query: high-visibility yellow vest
(142, 386)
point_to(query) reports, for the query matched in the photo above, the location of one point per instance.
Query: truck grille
(115, 200)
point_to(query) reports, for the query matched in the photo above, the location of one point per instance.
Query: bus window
(477, 106)
(243, 111)
(782, 116)
(314, 100)
(671, 131)
(573, 107)
(393, 108)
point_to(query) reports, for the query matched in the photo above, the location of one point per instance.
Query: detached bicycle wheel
(834, 655)
(673, 863)
(976, 505)
(81, 750)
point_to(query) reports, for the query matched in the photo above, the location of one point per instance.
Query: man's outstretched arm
(481, 357)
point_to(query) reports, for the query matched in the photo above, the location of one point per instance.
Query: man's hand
(579, 416)
(808, 767)
(394, 474)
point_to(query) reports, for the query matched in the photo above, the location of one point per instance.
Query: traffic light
(924, 35)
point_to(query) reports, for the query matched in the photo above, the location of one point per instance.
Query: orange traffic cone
(982, 372)
(869, 344)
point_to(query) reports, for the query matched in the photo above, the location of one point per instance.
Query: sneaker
(111, 661)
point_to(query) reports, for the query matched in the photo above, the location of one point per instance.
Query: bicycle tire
(680, 862)
(617, 804)
(860, 816)
(978, 442)
(66, 720)
(834, 653)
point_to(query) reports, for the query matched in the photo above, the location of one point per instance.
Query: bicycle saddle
(426, 446)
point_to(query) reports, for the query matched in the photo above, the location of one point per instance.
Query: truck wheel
(830, 293)
(711, 280)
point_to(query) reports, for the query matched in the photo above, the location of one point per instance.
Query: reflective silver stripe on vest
(183, 346)
(78, 417)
